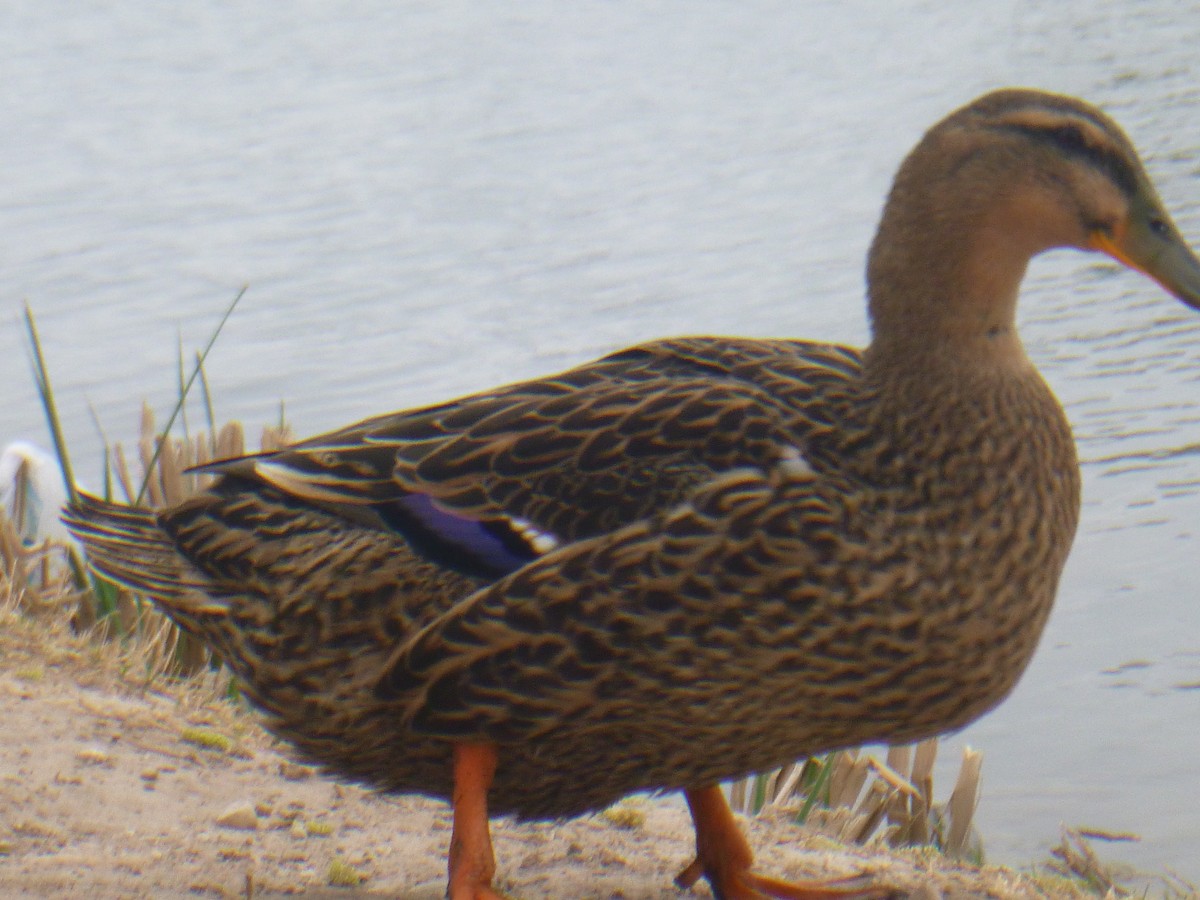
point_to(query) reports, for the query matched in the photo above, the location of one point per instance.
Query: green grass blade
(819, 791)
(208, 406)
(760, 793)
(183, 421)
(100, 432)
(108, 478)
(184, 392)
(42, 380)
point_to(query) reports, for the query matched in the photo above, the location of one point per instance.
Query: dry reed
(854, 797)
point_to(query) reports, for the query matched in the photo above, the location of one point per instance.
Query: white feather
(792, 462)
(45, 491)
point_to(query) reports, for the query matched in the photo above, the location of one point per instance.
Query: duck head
(992, 185)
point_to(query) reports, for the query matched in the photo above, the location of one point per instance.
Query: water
(425, 199)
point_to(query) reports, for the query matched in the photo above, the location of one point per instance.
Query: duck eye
(1160, 227)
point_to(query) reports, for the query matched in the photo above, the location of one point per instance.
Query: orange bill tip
(1110, 245)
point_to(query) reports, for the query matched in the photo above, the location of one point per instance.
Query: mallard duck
(690, 560)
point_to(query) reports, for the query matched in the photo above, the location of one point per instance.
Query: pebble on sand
(239, 815)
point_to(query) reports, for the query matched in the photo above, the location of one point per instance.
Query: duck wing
(662, 619)
(488, 483)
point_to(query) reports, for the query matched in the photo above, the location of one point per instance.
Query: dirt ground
(109, 789)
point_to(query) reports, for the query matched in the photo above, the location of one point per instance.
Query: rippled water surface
(425, 199)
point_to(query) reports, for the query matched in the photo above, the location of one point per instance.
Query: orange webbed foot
(472, 863)
(724, 858)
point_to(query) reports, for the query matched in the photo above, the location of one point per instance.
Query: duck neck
(948, 259)
(947, 299)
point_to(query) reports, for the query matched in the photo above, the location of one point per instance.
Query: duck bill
(1160, 253)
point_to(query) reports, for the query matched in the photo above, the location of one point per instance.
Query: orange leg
(472, 864)
(724, 858)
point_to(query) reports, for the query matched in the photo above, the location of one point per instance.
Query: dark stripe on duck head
(1073, 141)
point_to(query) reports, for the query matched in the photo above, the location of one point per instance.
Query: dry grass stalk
(737, 794)
(45, 592)
(1075, 858)
(36, 576)
(120, 469)
(850, 770)
(165, 475)
(274, 437)
(867, 798)
(963, 801)
(14, 556)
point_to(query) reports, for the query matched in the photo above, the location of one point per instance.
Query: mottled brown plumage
(693, 559)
